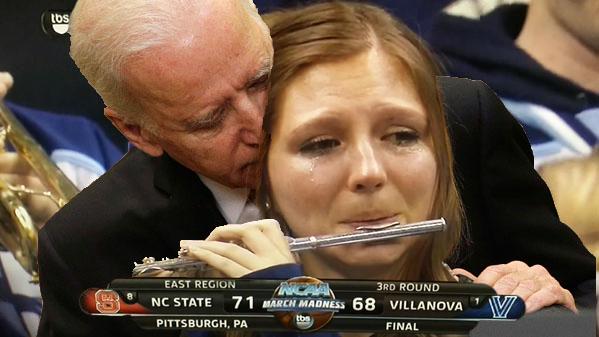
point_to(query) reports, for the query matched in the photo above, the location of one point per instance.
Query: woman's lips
(373, 221)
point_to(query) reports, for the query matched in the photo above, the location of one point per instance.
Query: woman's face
(351, 147)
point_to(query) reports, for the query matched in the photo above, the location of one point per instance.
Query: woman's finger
(218, 262)
(272, 229)
(252, 236)
(157, 273)
(233, 252)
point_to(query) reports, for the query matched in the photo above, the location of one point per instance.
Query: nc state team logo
(107, 301)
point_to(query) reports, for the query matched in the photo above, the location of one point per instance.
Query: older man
(186, 82)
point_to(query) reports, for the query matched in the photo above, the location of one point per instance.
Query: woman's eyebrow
(404, 112)
(329, 119)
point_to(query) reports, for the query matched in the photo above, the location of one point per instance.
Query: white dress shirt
(233, 203)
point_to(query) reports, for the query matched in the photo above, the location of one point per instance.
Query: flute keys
(184, 251)
(148, 260)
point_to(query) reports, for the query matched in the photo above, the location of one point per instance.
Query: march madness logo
(303, 303)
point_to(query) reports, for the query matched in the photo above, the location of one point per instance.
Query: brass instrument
(18, 232)
(149, 265)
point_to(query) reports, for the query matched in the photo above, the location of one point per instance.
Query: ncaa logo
(303, 321)
(303, 303)
(55, 22)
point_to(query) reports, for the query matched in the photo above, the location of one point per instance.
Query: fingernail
(464, 279)
(184, 251)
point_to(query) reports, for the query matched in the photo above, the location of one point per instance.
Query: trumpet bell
(19, 224)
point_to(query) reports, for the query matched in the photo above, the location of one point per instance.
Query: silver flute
(360, 235)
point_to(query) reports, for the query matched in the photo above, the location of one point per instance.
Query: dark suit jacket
(509, 209)
(143, 206)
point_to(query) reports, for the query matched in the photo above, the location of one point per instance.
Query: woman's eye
(402, 138)
(319, 146)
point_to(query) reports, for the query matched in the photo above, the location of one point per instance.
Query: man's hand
(533, 284)
(6, 82)
(237, 250)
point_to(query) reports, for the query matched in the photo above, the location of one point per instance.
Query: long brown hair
(336, 30)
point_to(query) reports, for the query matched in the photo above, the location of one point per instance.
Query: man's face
(579, 17)
(205, 98)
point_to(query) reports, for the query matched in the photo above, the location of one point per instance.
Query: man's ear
(135, 134)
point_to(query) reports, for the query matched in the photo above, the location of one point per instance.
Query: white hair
(105, 33)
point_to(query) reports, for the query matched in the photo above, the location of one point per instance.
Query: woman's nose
(368, 172)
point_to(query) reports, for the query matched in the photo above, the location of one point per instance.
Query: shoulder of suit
(134, 171)
(126, 189)
(461, 98)
(457, 88)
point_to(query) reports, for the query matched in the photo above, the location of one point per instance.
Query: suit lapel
(192, 212)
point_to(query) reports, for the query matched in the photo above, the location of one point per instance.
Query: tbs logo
(55, 23)
(303, 321)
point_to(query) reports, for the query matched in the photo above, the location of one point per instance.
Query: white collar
(230, 201)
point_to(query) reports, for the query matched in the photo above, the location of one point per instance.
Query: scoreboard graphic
(303, 304)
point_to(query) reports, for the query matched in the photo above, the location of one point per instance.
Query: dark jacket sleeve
(61, 315)
(126, 214)
(280, 271)
(510, 211)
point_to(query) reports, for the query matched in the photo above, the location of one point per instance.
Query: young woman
(354, 135)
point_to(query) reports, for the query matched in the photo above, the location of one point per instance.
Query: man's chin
(245, 178)
(249, 175)
(246, 182)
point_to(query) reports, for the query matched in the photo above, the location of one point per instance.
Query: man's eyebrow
(210, 120)
(212, 116)
(264, 70)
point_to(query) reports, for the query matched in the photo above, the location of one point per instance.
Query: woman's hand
(237, 250)
(533, 284)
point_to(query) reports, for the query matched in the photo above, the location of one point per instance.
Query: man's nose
(367, 173)
(250, 113)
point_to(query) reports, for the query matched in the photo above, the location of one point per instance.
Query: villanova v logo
(501, 305)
